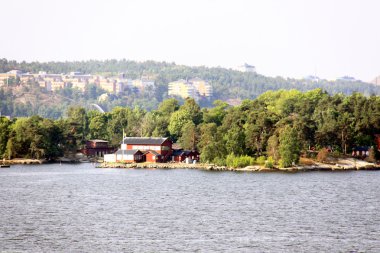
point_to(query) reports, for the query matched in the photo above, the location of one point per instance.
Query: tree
(77, 117)
(272, 148)
(4, 134)
(289, 147)
(215, 114)
(189, 136)
(98, 127)
(211, 143)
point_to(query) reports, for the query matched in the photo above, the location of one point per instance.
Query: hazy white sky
(291, 38)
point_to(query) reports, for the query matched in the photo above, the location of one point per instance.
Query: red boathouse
(156, 149)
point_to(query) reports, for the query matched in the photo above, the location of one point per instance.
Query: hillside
(227, 85)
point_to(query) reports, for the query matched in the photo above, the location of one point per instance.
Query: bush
(239, 161)
(261, 160)
(281, 163)
(322, 155)
(371, 156)
(269, 163)
(219, 161)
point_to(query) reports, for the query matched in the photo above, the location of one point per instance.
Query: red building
(377, 140)
(97, 148)
(156, 149)
(180, 155)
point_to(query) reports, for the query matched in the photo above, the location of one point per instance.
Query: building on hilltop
(182, 88)
(77, 80)
(246, 68)
(203, 88)
(346, 79)
(194, 88)
(5, 77)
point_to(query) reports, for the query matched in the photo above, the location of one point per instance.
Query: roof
(153, 152)
(180, 152)
(127, 152)
(144, 140)
(96, 140)
(361, 148)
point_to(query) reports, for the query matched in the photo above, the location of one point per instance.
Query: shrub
(281, 163)
(371, 156)
(322, 155)
(239, 161)
(219, 161)
(261, 160)
(269, 163)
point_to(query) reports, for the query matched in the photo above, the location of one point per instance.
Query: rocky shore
(348, 164)
(23, 161)
(340, 165)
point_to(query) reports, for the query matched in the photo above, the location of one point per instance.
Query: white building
(246, 68)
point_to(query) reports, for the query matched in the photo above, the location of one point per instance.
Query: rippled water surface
(79, 208)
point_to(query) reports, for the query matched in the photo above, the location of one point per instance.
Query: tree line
(226, 83)
(278, 126)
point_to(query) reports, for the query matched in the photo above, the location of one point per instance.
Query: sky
(289, 38)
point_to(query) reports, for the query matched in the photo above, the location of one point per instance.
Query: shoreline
(257, 168)
(341, 165)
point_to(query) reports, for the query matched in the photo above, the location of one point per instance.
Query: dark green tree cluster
(277, 127)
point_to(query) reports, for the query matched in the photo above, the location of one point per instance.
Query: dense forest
(278, 126)
(227, 84)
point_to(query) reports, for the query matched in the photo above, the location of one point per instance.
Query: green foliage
(189, 136)
(269, 163)
(261, 160)
(289, 147)
(272, 149)
(239, 161)
(4, 134)
(278, 129)
(34, 137)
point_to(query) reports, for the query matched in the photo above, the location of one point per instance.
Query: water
(79, 208)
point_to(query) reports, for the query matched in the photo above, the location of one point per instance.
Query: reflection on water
(81, 208)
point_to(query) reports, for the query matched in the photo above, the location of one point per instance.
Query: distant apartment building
(203, 88)
(194, 88)
(77, 80)
(5, 77)
(143, 84)
(346, 79)
(26, 78)
(246, 68)
(108, 85)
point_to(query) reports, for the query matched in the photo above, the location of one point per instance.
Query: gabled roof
(153, 152)
(144, 140)
(127, 152)
(180, 152)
